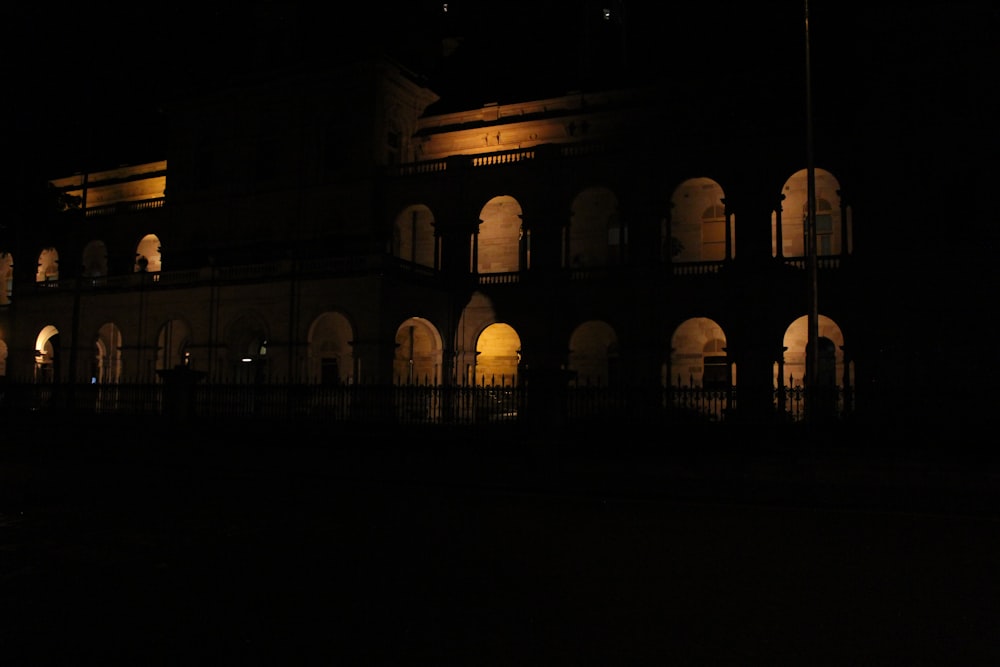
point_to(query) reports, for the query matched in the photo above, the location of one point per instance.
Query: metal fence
(403, 403)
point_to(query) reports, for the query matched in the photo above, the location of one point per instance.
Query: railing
(408, 403)
(376, 263)
(126, 207)
(506, 278)
(824, 262)
(372, 263)
(502, 157)
(695, 268)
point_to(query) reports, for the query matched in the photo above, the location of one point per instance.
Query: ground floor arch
(106, 365)
(498, 356)
(698, 356)
(47, 354)
(418, 353)
(330, 359)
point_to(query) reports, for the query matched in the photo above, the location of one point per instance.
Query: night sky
(884, 74)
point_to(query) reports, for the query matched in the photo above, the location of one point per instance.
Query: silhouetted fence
(405, 403)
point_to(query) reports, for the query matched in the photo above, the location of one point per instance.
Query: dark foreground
(198, 554)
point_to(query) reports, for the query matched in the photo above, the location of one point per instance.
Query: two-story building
(328, 227)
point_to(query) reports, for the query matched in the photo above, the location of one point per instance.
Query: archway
(698, 226)
(498, 241)
(835, 375)
(413, 237)
(148, 255)
(833, 231)
(498, 355)
(48, 266)
(418, 353)
(698, 356)
(248, 341)
(47, 355)
(172, 345)
(107, 362)
(330, 357)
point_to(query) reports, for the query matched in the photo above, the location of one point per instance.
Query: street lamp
(812, 339)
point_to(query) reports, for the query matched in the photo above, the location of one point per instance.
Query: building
(333, 228)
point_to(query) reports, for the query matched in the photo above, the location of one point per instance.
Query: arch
(413, 235)
(247, 338)
(172, 344)
(330, 356)
(697, 230)
(498, 355)
(478, 313)
(148, 255)
(498, 242)
(596, 237)
(832, 359)
(47, 354)
(593, 354)
(48, 266)
(106, 366)
(831, 227)
(418, 354)
(698, 356)
(95, 259)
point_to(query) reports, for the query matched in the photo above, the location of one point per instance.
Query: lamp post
(812, 340)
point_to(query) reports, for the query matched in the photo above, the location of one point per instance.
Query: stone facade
(322, 228)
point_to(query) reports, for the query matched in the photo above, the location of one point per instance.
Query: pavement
(532, 551)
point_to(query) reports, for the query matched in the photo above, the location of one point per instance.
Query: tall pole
(812, 344)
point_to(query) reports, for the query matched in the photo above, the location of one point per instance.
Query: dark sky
(911, 67)
(904, 91)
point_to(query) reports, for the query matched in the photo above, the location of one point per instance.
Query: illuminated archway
(46, 354)
(418, 353)
(833, 370)
(698, 356)
(48, 265)
(833, 231)
(499, 238)
(498, 355)
(697, 231)
(147, 254)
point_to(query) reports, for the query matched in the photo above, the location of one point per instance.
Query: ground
(379, 555)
